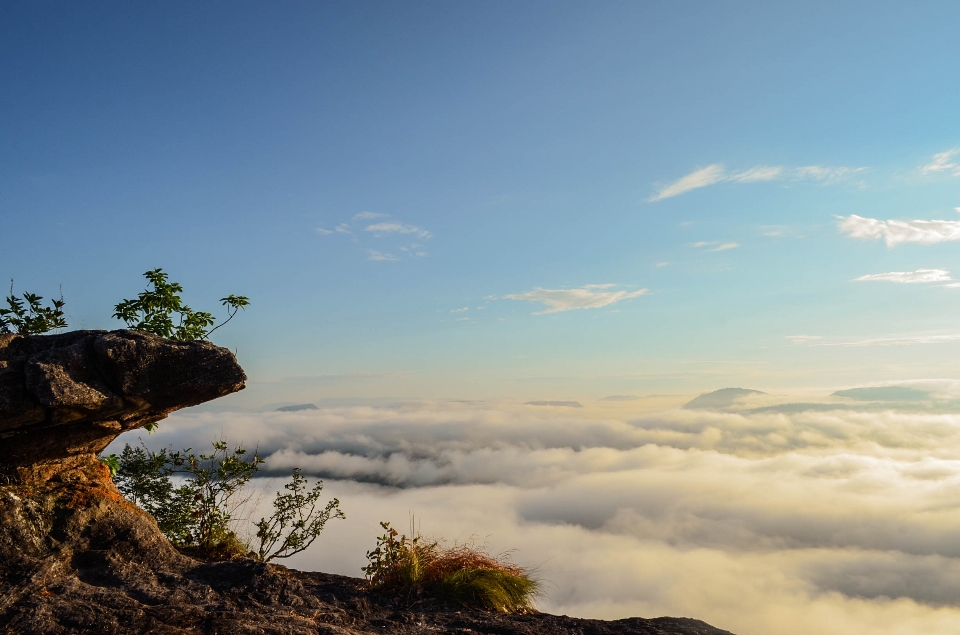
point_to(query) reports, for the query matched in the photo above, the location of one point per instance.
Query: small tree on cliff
(162, 312)
(29, 317)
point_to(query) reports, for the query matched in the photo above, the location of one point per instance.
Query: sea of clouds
(784, 520)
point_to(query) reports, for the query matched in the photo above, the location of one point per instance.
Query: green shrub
(413, 567)
(197, 515)
(162, 312)
(29, 317)
(296, 522)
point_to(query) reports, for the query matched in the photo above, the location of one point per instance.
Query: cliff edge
(76, 557)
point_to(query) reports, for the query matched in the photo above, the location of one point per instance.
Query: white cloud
(663, 263)
(373, 254)
(800, 339)
(342, 228)
(322, 231)
(896, 232)
(825, 173)
(697, 179)
(942, 162)
(591, 296)
(398, 228)
(759, 173)
(715, 173)
(463, 310)
(725, 247)
(714, 245)
(369, 215)
(908, 277)
(898, 341)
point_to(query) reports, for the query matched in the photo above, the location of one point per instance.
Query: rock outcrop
(64, 398)
(76, 557)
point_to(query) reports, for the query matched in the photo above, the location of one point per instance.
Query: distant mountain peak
(719, 399)
(296, 408)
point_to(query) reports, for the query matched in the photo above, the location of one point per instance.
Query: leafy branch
(296, 522)
(161, 311)
(29, 317)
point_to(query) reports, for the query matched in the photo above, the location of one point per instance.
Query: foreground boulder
(76, 557)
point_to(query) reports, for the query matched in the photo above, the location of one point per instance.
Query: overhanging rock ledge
(64, 398)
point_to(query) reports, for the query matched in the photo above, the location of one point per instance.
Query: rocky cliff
(75, 557)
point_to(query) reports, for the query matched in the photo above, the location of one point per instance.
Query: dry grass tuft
(415, 567)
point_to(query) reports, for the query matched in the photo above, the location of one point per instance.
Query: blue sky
(395, 185)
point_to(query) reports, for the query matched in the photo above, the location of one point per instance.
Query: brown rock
(64, 398)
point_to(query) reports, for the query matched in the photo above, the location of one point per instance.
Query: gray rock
(63, 398)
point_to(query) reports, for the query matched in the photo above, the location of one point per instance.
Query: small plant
(197, 515)
(198, 512)
(215, 480)
(162, 312)
(296, 522)
(412, 567)
(29, 317)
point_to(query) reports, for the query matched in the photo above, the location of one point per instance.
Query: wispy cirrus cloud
(378, 256)
(591, 296)
(699, 178)
(716, 173)
(919, 276)
(393, 227)
(898, 341)
(714, 245)
(898, 232)
(943, 162)
(382, 231)
(368, 215)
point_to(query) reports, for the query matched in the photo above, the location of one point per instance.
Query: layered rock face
(76, 557)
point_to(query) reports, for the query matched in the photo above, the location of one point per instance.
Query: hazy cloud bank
(831, 521)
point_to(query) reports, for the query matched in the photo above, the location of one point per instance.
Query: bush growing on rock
(29, 317)
(414, 567)
(162, 312)
(197, 515)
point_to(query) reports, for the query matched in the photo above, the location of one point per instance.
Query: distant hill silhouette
(566, 404)
(719, 399)
(298, 407)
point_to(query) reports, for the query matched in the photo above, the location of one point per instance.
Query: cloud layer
(830, 521)
(591, 296)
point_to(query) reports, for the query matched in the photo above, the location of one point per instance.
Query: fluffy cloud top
(896, 232)
(908, 277)
(591, 296)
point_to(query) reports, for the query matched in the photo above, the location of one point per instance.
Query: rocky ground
(76, 557)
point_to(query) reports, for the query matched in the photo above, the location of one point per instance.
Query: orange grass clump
(413, 567)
